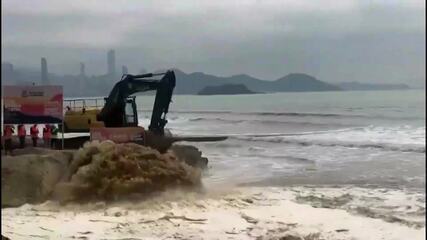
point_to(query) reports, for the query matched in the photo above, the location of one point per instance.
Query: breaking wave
(300, 114)
(403, 138)
(258, 121)
(290, 114)
(385, 146)
(215, 119)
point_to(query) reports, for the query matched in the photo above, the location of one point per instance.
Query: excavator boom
(113, 112)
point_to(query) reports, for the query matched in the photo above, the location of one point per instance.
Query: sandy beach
(226, 213)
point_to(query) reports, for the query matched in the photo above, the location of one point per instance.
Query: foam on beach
(242, 213)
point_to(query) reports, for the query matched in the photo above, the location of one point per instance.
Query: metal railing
(80, 103)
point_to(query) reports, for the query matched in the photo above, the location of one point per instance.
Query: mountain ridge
(188, 83)
(192, 83)
(226, 89)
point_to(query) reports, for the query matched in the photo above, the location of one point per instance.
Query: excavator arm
(113, 112)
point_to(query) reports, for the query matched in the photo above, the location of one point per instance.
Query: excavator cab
(131, 113)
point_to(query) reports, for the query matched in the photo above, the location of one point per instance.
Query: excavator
(113, 113)
(119, 114)
(120, 109)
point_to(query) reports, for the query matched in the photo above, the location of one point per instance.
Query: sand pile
(31, 178)
(105, 170)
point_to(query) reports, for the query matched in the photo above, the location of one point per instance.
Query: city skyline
(110, 64)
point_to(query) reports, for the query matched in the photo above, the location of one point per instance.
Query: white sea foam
(243, 213)
(401, 138)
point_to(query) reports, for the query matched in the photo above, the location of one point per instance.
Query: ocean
(364, 138)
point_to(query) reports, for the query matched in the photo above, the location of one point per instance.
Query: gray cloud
(366, 40)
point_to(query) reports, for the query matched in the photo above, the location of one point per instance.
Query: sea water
(351, 137)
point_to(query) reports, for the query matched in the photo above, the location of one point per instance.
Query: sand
(237, 213)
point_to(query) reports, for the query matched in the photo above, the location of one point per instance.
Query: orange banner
(33, 104)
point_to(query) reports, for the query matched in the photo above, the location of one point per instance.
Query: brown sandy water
(112, 171)
(97, 171)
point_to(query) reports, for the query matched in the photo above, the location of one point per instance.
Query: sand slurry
(97, 171)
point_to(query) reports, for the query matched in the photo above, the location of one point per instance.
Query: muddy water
(98, 171)
(111, 171)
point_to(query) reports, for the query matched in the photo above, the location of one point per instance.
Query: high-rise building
(7, 67)
(82, 69)
(111, 59)
(7, 74)
(45, 80)
(124, 70)
(81, 80)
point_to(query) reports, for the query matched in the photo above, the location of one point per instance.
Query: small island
(226, 89)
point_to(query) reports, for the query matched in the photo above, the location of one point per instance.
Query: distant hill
(226, 89)
(194, 82)
(298, 82)
(357, 86)
(187, 83)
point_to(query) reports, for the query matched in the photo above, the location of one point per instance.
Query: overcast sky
(381, 41)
